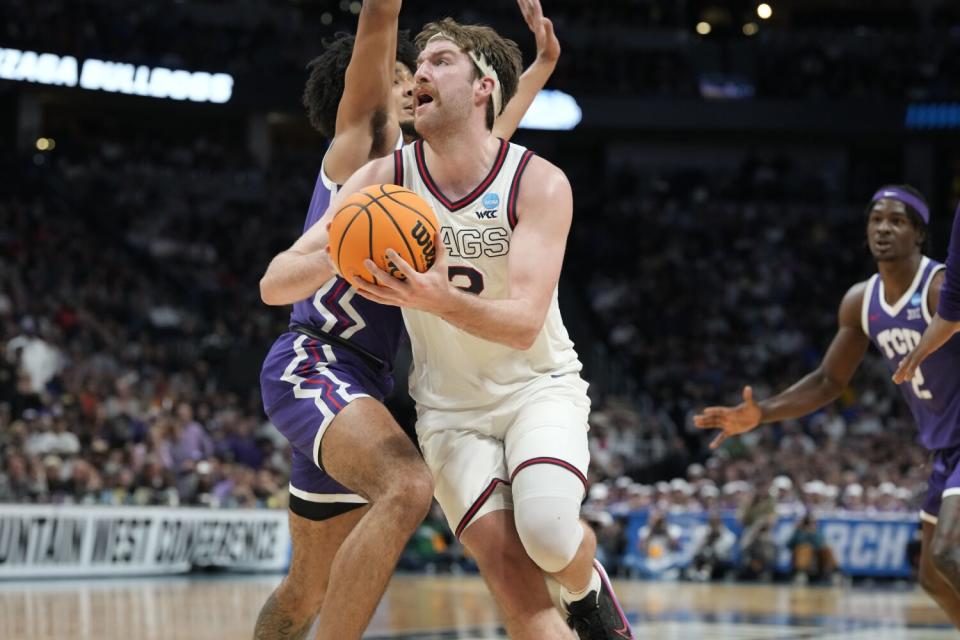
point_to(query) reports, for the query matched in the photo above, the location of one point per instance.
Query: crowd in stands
(132, 334)
(650, 47)
(119, 381)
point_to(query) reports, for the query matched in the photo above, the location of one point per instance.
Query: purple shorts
(305, 383)
(944, 481)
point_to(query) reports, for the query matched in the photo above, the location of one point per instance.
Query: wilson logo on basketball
(428, 251)
(424, 240)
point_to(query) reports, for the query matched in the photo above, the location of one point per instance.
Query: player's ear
(485, 87)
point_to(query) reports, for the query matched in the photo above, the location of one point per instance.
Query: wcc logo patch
(490, 203)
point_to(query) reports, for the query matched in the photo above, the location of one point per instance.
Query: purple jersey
(336, 309)
(949, 308)
(934, 392)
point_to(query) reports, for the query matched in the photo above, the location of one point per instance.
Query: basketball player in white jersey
(356, 500)
(502, 410)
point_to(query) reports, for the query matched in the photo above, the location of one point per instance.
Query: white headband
(486, 69)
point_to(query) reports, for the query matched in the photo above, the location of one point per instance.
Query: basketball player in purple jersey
(326, 378)
(891, 310)
(946, 322)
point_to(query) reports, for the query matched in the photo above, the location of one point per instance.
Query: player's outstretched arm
(815, 390)
(536, 75)
(363, 120)
(938, 331)
(936, 335)
(296, 273)
(544, 211)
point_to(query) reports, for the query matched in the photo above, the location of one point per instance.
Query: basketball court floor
(446, 608)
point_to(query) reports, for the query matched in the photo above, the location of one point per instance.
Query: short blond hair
(501, 53)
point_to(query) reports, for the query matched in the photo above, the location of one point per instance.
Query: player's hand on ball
(732, 420)
(428, 291)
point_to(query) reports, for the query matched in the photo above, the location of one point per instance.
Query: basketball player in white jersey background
(502, 410)
(359, 95)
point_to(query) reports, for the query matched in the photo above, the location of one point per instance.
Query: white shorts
(474, 455)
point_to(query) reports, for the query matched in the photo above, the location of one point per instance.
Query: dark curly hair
(324, 88)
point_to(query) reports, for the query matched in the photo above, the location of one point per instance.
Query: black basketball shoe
(599, 616)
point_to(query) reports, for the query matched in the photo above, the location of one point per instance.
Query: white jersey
(452, 369)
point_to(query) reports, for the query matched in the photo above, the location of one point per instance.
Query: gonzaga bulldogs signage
(115, 77)
(46, 541)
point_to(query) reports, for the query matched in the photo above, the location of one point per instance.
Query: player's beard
(408, 129)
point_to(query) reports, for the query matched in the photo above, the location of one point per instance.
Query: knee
(550, 531)
(411, 493)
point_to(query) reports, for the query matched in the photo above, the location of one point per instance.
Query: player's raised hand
(548, 47)
(936, 335)
(732, 420)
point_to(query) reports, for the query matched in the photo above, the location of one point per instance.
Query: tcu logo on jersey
(472, 243)
(898, 341)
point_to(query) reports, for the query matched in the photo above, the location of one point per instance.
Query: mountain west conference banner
(61, 541)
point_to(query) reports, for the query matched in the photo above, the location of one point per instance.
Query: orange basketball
(377, 218)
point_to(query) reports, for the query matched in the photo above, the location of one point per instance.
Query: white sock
(573, 596)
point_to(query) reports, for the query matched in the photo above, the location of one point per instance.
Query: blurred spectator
(812, 558)
(658, 548)
(758, 549)
(39, 359)
(713, 545)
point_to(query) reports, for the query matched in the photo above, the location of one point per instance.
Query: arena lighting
(750, 29)
(552, 110)
(764, 10)
(704, 28)
(115, 77)
(933, 115)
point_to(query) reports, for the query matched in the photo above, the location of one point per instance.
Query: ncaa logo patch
(915, 300)
(491, 201)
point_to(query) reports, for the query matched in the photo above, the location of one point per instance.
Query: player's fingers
(718, 440)
(905, 371)
(536, 10)
(384, 278)
(402, 265)
(707, 421)
(526, 10)
(370, 292)
(714, 412)
(748, 394)
(547, 27)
